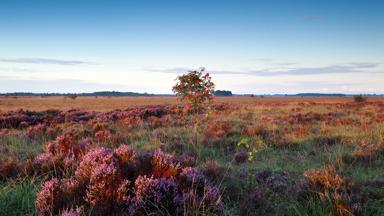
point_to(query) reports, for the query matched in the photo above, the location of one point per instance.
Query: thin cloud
(18, 69)
(43, 61)
(12, 84)
(334, 69)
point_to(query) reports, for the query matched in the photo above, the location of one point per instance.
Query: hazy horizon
(248, 47)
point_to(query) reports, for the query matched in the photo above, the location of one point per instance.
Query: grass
(111, 103)
(21, 146)
(17, 197)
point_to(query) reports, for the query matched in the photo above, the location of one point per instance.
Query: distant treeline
(216, 93)
(321, 94)
(222, 93)
(103, 93)
(335, 95)
(100, 93)
(309, 95)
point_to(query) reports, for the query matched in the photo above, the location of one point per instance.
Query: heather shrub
(370, 146)
(78, 211)
(50, 198)
(36, 130)
(328, 186)
(9, 168)
(217, 130)
(359, 98)
(278, 138)
(259, 130)
(68, 144)
(156, 195)
(186, 160)
(325, 179)
(214, 171)
(91, 160)
(164, 165)
(192, 178)
(103, 135)
(64, 153)
(199, 195)
(220, 134)
(329, 140)
(241, 156)
(125, 153)
(72, 96)
(105, 182)
(110, 181)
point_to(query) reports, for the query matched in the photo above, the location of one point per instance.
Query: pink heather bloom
(73, 212)
(93, 159)
(67, 145)
(104, 183)
(103, 135)
(152, 193)
(192, 178)
(43, 162)
(123, 192)
(35, 130)
(101, 170)
(72, 188)
(49, 198)
(125, 153)
(164, 165)
(101, 191)
(212, 198)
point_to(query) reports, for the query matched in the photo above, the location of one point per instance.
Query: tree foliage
(194, 89)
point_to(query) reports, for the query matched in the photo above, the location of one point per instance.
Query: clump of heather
(164, 165)
(125, 181)
(192, 178)
(97, 157)
(198, 193)
(125, 153)
(49, 199)
(218, 133)
(68, 145)
(9, 168)
(156, 195)
(214, 171)
(103, 135)
(101, 192)
(72, 212)
(36, 130)
(64, 153)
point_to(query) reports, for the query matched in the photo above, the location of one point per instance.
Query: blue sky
(259, 47)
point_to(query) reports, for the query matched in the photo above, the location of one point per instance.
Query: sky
(259, 46)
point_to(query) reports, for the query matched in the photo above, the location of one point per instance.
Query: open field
(246, 156)
(111, 103)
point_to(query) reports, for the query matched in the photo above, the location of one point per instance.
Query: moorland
(243, 156)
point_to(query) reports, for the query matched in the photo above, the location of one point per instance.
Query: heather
(255, 156)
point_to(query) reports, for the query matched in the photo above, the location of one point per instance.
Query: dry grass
(111, 103)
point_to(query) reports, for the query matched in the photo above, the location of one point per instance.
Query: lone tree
(194, 90)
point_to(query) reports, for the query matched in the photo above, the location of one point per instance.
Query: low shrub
(110, 181)
(359, 98)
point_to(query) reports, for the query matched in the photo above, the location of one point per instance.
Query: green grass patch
(17, 197)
